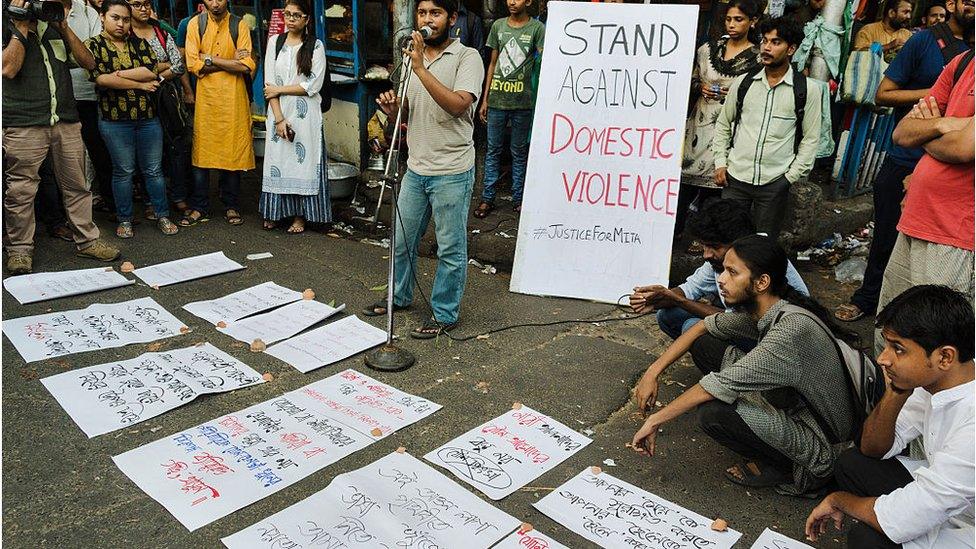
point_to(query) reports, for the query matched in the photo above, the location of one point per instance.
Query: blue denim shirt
(704, 283)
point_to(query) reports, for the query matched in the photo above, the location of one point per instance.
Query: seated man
(716, 226)
(784, 404)
(928, 359)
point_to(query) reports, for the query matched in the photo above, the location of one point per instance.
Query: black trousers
(97, 151)
(888, 194)
(869, 477)
(721, 422)
(767, 203)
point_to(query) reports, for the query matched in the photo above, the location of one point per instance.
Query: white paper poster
(98, 326)
(605, 157)
(103, 398)
(281, 323)
(612, 513)
(529, 540)
(330, 343)
(188, 268)
(244, 303)
(394, 502)
(31, 288)
(774, 540)
(509, 451)
(218, 467)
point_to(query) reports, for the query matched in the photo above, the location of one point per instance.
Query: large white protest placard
(509, 451)
(103, 398)
(605, 156)
(774, 540)
(188, 268)
(98, 326)
(330, 343)
(244, 303)
(211, 470)
(613, 513)
(396, 501)
(532, 539)
(31, 288)
(280, 323)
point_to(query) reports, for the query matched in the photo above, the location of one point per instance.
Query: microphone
(424, 31)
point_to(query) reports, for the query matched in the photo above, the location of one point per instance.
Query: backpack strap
(202, 23)
(161, 35)
(967, 58)
(233, 25)
(949, 45)
(740, 99)
(280, 44)
(800, 104)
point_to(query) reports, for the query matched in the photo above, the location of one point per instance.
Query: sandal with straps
(431, 329)
(483, 210)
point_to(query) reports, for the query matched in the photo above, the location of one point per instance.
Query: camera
(50, 11)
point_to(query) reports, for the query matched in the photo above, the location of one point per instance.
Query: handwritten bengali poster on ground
(243, 303)
(186, 269)
(98, 326)
(281, 323)
(532, 539)
(613, 513)
(774, 540)
(605, 157)
(509, 451)
(397, 501)
(106, 397)
(31, 288)
(204, 473)
(330, 343)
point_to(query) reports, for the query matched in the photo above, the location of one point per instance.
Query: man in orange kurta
(222, 121)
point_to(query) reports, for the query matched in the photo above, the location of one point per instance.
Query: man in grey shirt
(785, 404)
(442, 94)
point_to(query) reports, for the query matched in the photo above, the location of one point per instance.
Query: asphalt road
(61, 489)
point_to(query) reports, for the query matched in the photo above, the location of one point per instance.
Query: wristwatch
(161, 78)
(208, 61)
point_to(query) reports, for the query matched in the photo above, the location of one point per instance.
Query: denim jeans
(521, 126)
(229, 190)
(129, 141)
(446, 198)
(675, 321)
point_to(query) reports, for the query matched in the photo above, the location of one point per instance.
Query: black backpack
(865, 380)
(172, 113)
(326, 91)
(949, 45)
(799, 101)
(234, 27)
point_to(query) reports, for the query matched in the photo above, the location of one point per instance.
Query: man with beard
(716, 227)
(906, 81)
(766, 138)
(442, 95)
(891, 32)
(785, 404)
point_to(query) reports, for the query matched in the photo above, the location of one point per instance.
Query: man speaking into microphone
(442, 94)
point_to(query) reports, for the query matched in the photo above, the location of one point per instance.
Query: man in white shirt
(928, 359)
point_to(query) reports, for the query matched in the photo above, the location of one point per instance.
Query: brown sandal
(848, 312)
(483, 210)
(233, 217)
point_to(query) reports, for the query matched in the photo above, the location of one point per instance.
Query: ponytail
(304, 61)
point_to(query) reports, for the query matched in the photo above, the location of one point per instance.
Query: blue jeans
(521, 126)
(229, 190)
(129, 141)
(675, 321)
(447, 198)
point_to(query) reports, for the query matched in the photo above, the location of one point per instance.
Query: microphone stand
(390, 357)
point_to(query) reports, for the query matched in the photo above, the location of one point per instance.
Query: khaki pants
(915, 262)
(25, 149)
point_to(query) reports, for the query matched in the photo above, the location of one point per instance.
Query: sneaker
(19, 264)
(100, 251)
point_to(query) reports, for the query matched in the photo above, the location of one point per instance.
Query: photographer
(40, 117)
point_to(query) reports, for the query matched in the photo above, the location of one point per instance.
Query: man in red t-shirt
(936, 234)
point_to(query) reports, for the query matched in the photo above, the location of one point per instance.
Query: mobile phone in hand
(289, 133)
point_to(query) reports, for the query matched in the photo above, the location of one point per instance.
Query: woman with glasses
(295, 182)
(127, 76)
(170, 66)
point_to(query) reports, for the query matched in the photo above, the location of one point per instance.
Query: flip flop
(233, 217)
(483, 210)
(751, 475)
(379, 308)
(189, 220)
(848, 312)
(268, 225)
(431, 329)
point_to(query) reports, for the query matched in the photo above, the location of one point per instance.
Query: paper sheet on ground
(774, 540)
(330, 343)
(281, 323)
(509, 451)
(103, 398)
(396, 501)
(613, 513)
(188, 268)
(244, 303)
(32, 288)
(211, 470)
(529, 540)
(98, 326)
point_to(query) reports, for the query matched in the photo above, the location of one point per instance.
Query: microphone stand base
(390, 358)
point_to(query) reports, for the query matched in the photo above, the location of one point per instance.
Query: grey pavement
(61, 489)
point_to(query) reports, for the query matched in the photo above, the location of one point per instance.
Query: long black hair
(106, 4)
(308, 36)
(753, 11)
(763, 255)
